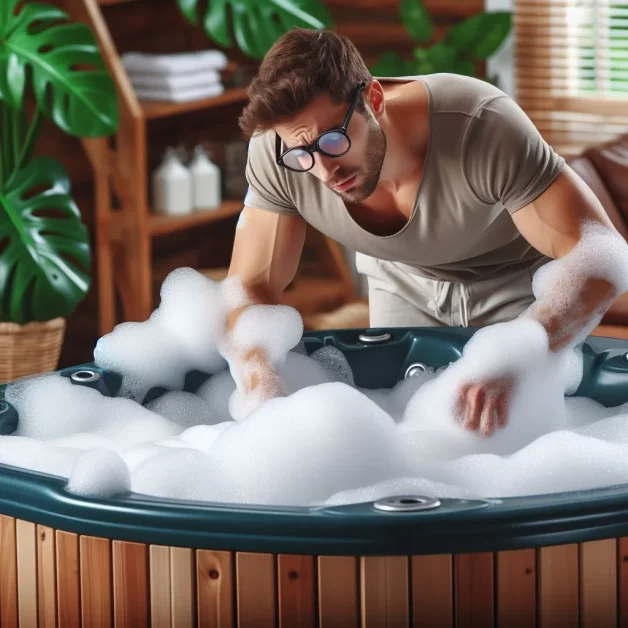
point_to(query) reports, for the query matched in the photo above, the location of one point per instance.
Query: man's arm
(266, 253)
(554, 224)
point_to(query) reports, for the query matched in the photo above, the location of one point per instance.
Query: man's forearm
(566, 310)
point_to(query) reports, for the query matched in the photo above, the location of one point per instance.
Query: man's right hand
(256, 379)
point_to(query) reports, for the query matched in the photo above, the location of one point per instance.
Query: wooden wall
(157, 26)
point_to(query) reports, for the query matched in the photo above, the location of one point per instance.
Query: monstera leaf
(82, 102)
(480, 36)
(44, 249)
(255, 24)
(416, 20)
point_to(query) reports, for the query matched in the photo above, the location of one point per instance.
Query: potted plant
(49, 69)
(470, 41)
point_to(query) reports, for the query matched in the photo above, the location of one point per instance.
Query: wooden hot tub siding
(54, 578)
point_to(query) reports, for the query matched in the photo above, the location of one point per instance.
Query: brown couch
(605, 169)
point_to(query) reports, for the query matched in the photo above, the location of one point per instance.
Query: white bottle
(172, 186)
(206, 184)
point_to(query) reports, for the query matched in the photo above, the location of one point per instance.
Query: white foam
(216, 392)
(180, 336)
(99, 473)
(27, 453)
(183, 408)
(332, 438)
(322, 440)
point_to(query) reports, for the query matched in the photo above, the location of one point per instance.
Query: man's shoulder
(262, 146)
(455, 93)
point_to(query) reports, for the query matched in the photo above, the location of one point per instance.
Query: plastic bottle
(206, 185)
(172, 186)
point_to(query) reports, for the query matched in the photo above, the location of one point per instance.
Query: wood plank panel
(215, 589)
(436, 8)
(622, 581)
(516, 588)
(96, 585)
(338, 592)
(46, 577)
(296, 591)
(130, 585)
(182, 587)
(8, 573)
(160, 596)
(558, 586)
(598, 584)
(256, 590)
(26, 543)
(473, 589)
(432, 591)
(384, 591)
(68, 579)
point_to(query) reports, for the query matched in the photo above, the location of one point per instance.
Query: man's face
(354, 175)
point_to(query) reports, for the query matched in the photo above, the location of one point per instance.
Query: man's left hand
(485, 404)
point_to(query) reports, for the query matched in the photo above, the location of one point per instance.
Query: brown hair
(302, 65)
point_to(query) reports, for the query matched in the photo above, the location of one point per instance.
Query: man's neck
(406, 126)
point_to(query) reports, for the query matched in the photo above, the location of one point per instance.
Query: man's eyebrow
(308, 141)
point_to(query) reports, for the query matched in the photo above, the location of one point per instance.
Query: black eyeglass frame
(314, 147)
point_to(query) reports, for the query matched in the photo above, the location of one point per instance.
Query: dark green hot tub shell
(379, 358)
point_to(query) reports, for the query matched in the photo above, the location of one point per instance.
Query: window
(571, 60)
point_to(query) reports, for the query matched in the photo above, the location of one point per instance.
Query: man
(441, 183)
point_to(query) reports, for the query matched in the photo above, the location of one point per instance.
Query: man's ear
(374, 97)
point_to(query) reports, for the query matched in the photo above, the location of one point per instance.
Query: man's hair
(301, 66)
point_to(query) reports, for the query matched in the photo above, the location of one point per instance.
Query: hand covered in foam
(485, 404)
(255, 343)
(491, 368)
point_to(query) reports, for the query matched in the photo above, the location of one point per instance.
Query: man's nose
(326, 166)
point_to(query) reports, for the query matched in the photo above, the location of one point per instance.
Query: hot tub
(554, 560)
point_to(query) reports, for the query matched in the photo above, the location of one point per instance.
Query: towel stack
(179, 77)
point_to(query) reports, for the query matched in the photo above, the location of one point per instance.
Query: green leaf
(438, 58)
(480, 36)
(254, 26)
(189, 10)
(45, 259)
(389, 64)
(464, 67)
(416, 19)
(81, 102)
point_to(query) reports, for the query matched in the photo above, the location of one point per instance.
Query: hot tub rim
(459, 527)
(493, 525)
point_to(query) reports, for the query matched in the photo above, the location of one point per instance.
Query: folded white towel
(175, 63)
(191, 80)
(179, 95)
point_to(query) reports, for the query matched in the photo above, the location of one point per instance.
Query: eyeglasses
(332, 143)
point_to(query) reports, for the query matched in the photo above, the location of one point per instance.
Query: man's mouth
(346, 184)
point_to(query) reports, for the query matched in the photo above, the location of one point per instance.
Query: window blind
(571, 64)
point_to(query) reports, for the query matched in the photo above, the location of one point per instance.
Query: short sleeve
(506, 159)
(267, 188)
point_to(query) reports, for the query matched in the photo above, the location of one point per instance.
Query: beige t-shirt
(485, 160)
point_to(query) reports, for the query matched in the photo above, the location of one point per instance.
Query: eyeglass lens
(332, 143)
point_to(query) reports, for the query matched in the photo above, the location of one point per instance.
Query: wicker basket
(30, 349)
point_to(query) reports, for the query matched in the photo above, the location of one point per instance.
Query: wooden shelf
(163, 225)
(154, 109)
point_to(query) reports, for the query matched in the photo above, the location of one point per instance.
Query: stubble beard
(375, 154)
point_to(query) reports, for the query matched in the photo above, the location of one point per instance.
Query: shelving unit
(125, 229)
(154, 110)
(164, 225)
